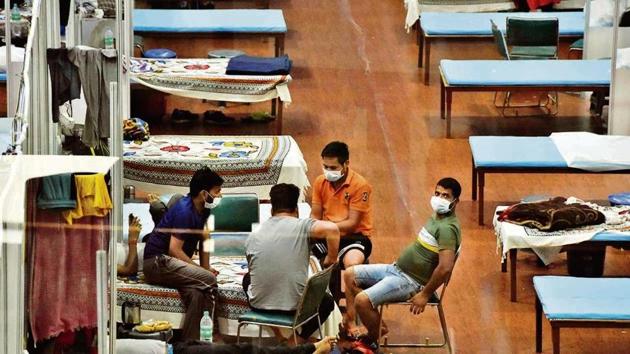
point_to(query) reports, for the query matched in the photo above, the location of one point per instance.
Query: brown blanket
(552, 215)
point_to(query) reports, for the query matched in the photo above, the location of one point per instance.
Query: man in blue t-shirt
(170, 247)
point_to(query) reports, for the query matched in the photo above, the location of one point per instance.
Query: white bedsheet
(592, 152)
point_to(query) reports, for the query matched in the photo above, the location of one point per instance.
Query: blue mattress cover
(609, 236)
(525, 72)
(3, 76)
(209, 21)
(515, 151)
(570, 298)
(478, 24)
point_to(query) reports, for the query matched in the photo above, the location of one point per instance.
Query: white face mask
(211, 205)
(332, 176)
(440, 205)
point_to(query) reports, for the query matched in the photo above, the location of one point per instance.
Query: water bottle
(205, 328)
(15, 13)
(109, 39)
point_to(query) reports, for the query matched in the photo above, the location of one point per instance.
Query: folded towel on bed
(248, 65)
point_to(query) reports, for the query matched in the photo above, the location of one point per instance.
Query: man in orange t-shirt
(344, 197)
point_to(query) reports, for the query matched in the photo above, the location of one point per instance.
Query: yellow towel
(92, 197)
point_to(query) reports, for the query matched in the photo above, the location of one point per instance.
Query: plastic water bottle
(205, 326)
(15, 13)
(109, 39)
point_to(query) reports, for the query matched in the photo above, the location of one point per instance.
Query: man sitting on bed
(278, 258)
(170, 247)
(420, 269)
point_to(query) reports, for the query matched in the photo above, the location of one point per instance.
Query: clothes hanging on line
(92, 198)
(64, 79)
(57, 192)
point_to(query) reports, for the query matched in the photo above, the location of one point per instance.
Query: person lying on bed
(278, 259)
(171, 245)
(420, 269)
(128, 257)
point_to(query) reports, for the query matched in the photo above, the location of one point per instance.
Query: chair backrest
(532, 31)
(449, 277)
(499, 40)
(313, 294)
(236, 212)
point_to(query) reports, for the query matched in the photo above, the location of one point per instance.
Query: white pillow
(136, 346)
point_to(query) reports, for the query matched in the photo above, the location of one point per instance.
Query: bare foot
(325, 345)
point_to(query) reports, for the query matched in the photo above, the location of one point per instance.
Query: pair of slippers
(180, 116)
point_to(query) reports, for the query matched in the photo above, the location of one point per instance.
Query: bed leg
(279, 50)
(420, 40)
(449, 101)
(442, 99)
(481, 181)
(538, 325)
(555, 339)
(504, 265)
(513, 254)
(427, 59)
(474, 181)
(279, 117)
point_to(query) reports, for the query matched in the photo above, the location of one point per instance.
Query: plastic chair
(236, 212)
(308, 308)
(532, 38)
(434, 301)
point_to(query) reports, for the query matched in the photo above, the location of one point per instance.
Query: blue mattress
(478, 24)
(609, 236)
(526, 72)
(513, 151)
(209, 21)
(569, 298)
(3, 76)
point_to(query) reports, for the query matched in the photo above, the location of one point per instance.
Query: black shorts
(346, 243)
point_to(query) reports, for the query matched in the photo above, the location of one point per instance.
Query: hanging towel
(248, 65)
(97, 68)
(64, 79)
(57, 192)
(92, 197)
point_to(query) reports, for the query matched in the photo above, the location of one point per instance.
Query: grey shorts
(385, 283)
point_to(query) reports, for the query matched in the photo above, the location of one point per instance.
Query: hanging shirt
(92, 197)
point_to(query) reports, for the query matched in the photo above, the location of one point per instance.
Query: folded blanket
(552, 215)
(247, 65)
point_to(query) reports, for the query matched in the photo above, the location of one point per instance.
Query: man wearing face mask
(170, 247)
(421, 268)
(343, 196)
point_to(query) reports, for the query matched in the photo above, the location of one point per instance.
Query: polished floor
(356, 80)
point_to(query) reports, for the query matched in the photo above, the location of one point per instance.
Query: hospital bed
(510, 154)
(569, 302)
(519, 75)
(415, 8)
(207, 79)
(439, 25)
(512, 237)
(248, 23)
(253, 164)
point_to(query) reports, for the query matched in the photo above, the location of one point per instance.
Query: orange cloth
(92, 197)
(354, 194)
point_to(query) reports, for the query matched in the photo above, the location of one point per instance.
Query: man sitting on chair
(420, 269)
(278, 258)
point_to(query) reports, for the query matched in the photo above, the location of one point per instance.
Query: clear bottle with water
(109, 39)
(15, 13)
(205, 328)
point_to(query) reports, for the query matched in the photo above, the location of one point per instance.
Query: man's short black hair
(337, 149)
(204, 179)
(284, 198)
(452, 184)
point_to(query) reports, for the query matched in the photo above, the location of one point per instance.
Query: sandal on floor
(258, 117)
(181, 116)
(217, 117)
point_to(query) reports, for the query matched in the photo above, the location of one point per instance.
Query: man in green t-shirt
(421, 268)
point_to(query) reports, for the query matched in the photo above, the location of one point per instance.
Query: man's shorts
(346, 243)
(385, 283)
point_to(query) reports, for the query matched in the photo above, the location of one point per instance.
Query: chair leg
(295, 336)
(447, 339)
(238, 333)
(259, 335)
(319, 327)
